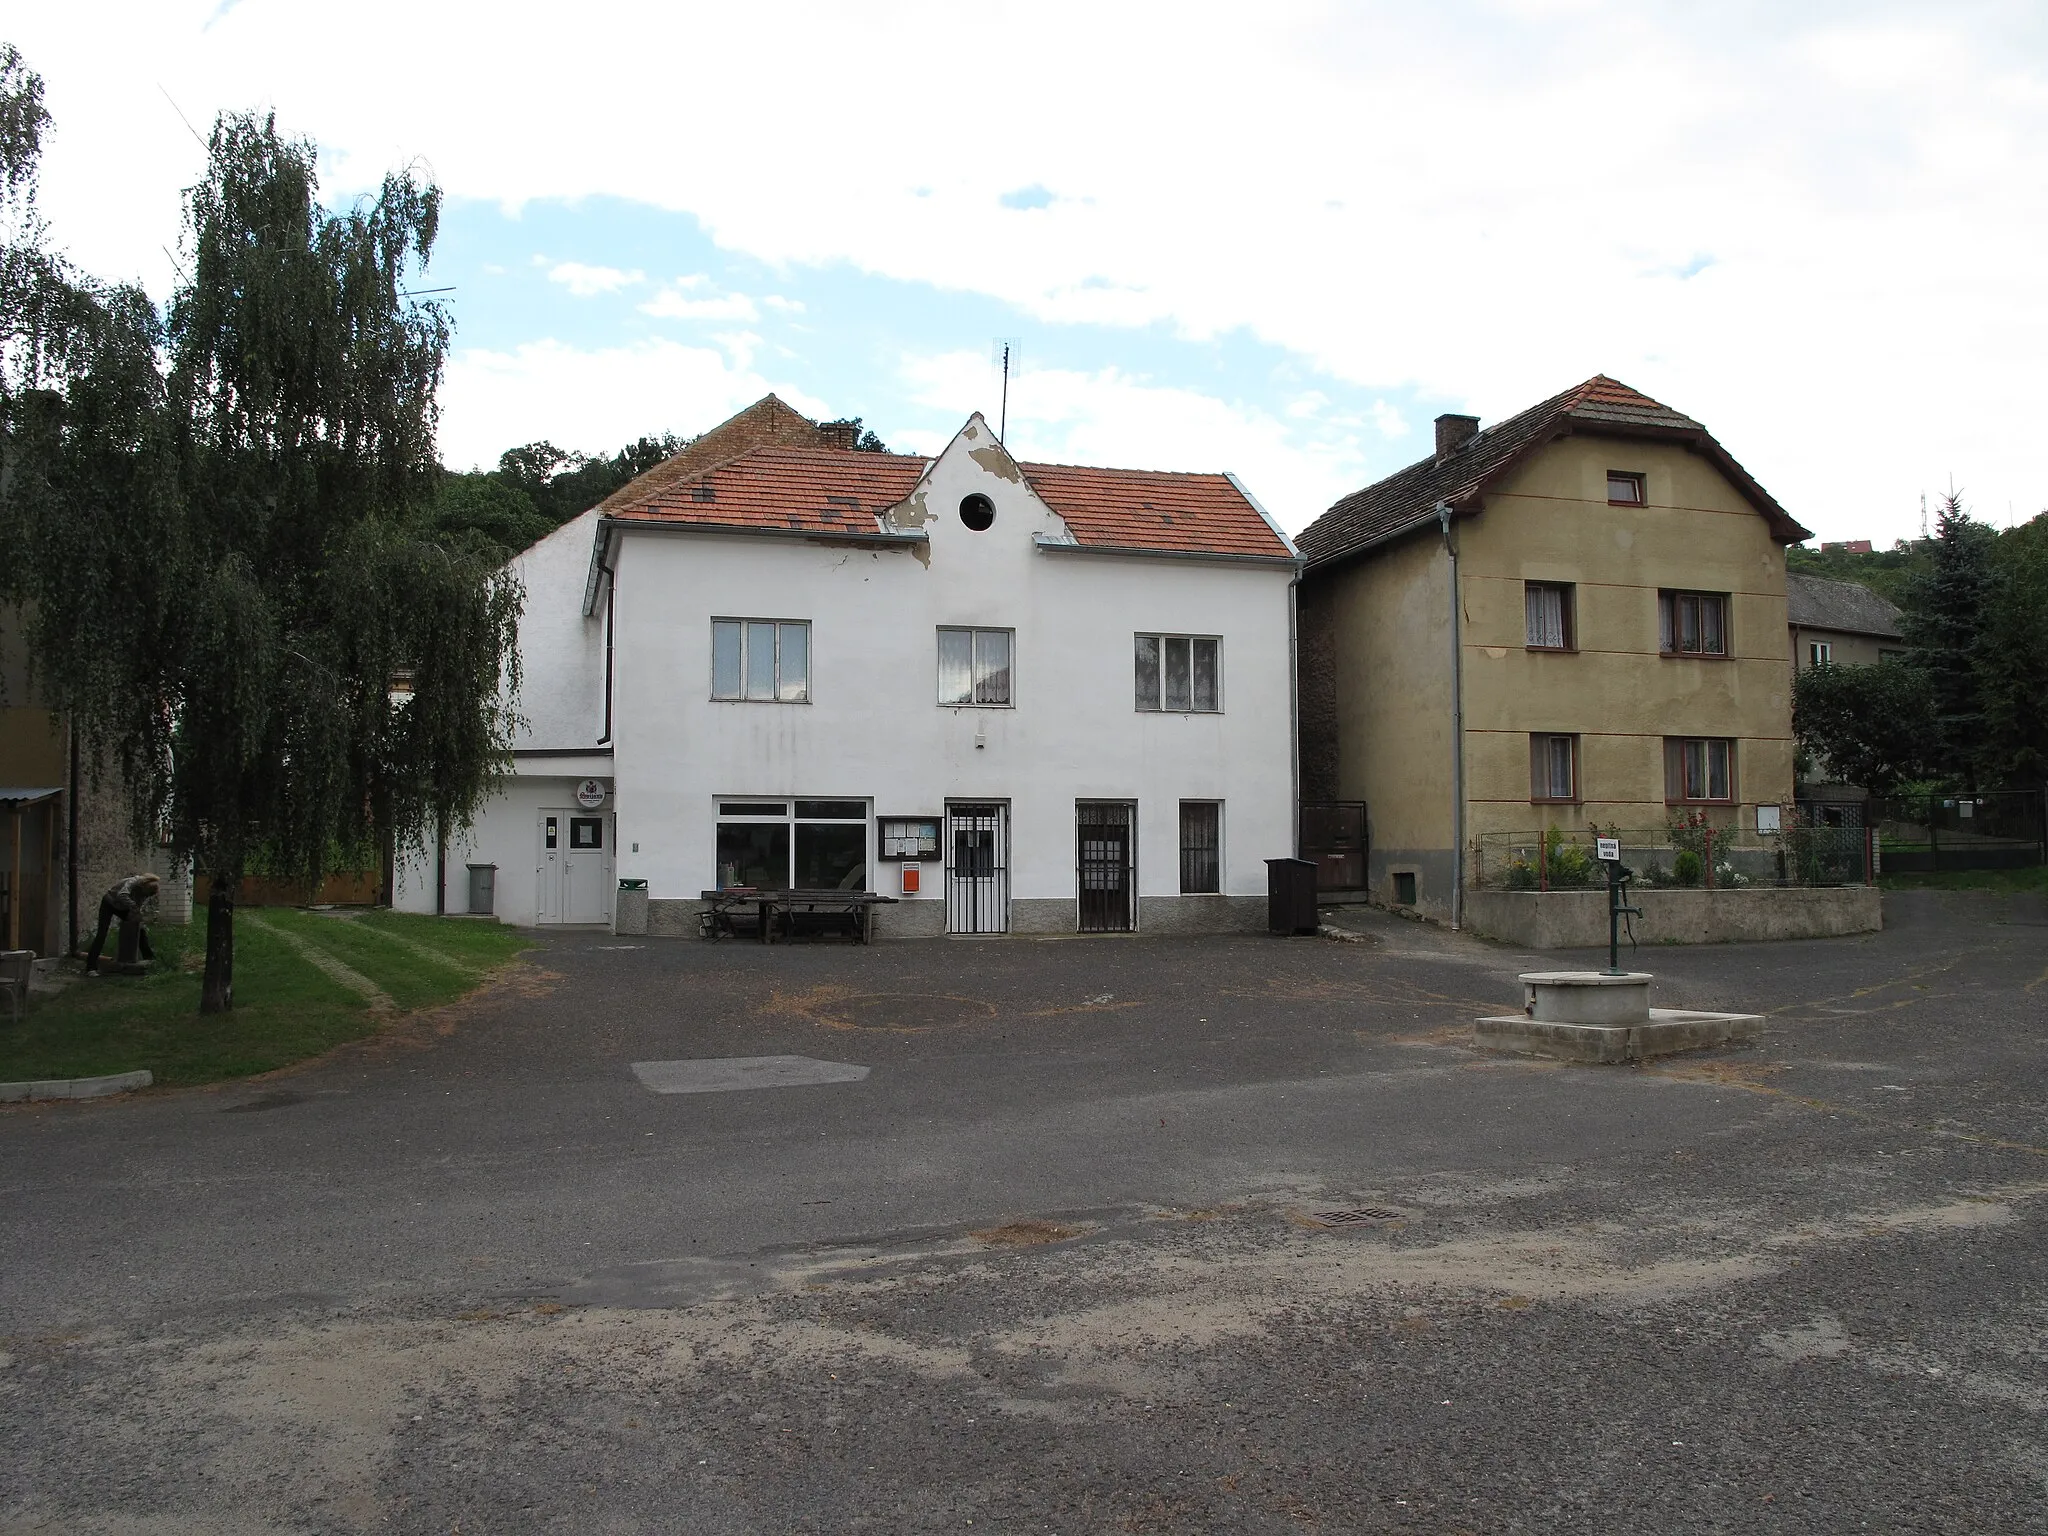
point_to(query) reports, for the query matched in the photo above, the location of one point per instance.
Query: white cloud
(1390, 421)
(591, 400)
(587, 282)
(786, 305)
(1480, 201)
(671, 304)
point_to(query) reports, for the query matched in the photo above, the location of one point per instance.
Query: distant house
(1843, 622)
(1016, 697)
(1574, 616)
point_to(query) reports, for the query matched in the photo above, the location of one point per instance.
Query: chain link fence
(1688, 855)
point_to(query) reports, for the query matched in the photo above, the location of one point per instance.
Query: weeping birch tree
(232, 577)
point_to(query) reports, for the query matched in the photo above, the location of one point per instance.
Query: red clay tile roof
(805, 490)
(1407, 499)
(1151, 509)
(768, 421)
(833, 491)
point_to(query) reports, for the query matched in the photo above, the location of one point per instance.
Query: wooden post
(14, 887)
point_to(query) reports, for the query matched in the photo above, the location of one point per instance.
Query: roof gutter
(1052, 546)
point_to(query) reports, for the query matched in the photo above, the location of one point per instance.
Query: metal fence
(1694, 856)
(1995, 829)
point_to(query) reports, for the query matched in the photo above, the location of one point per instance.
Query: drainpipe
(1294, 704)
(611, 611)
(72, 945)
(1443, 518)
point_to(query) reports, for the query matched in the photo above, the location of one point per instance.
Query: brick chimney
(838, 434)
(1453, 433)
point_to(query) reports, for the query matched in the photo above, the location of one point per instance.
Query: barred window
(1201, 847)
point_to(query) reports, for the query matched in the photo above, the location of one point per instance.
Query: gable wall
(1552, 522)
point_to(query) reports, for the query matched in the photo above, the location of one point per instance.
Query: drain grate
(1357, 1216)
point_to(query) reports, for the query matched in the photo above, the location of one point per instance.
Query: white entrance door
(575, 867)
(978, 868)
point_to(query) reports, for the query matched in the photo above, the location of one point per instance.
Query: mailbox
(911, 870)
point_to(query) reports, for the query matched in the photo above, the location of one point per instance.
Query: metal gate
(1105, 858)
(977, 869)
(1333, 839)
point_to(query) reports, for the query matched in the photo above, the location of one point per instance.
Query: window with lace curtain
(1553, 767)
(1548, 607)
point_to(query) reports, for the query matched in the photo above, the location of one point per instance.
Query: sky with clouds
(1276, 239)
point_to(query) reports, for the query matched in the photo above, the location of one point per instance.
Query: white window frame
(975, 632)
(1820, 653)
(782, 693)
(1159, 706)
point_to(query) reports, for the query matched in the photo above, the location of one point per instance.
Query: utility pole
(1003, 421)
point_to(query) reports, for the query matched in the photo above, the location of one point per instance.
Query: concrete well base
(1667, 1030)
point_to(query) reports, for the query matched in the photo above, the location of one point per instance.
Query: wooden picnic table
(769, 906)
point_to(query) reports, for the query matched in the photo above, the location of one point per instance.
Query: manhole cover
(1357, 1216)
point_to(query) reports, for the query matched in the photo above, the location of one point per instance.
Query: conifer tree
(1943, 623)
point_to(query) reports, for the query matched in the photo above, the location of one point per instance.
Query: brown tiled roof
(768, 421)
(1407, 499)
(1813, 602)
(805, 490)
(828, 491)
(1150, 509)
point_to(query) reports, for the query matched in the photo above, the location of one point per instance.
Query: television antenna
(1003, 353)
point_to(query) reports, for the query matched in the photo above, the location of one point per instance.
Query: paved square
(1063, 1262)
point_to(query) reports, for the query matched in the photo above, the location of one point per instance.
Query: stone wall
(1578, 919)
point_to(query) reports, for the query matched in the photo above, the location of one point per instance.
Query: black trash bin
(1290, 896)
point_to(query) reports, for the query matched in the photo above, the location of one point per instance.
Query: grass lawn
(2035, 879)
(287, 1007)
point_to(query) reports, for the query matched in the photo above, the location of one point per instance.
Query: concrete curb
(75, 1087)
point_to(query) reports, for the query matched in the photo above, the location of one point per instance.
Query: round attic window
(977, 511)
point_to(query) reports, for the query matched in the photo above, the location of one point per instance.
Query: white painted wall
(561, 653)
(561, 705)
(506, 833)
(873, 729)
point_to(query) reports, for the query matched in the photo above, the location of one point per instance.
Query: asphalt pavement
(1106, 1234)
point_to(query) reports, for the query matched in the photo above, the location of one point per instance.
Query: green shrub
(1572, 867)
(1520, 876)
(1687, 868)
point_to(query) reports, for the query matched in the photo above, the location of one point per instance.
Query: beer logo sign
(590, 794)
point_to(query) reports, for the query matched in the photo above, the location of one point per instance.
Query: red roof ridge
(1106, 469)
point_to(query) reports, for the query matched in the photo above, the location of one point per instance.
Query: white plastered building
(1016, 697)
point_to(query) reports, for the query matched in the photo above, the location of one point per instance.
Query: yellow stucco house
(1617, 651)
